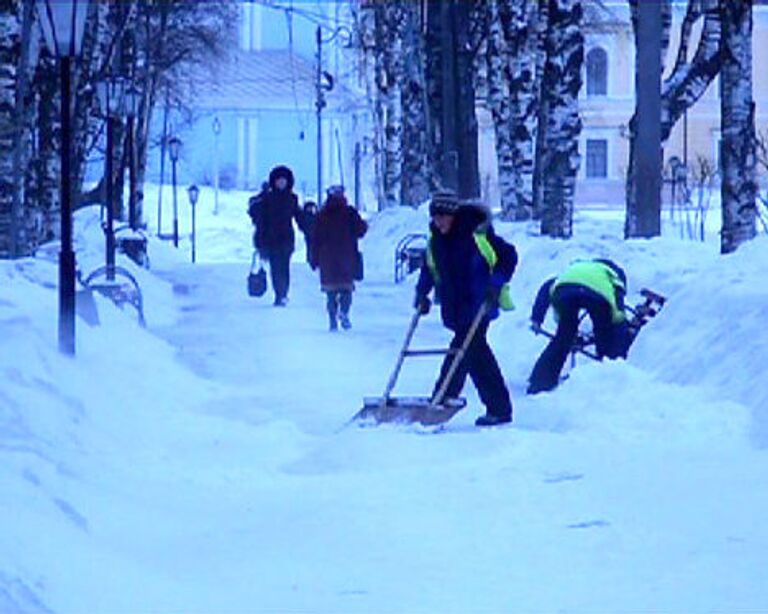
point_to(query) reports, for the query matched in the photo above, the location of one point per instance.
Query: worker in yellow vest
(468, 264)
(597, 286)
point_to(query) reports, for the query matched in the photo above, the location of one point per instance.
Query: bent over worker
(597, 286)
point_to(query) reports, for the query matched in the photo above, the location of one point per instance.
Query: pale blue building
(259, 109)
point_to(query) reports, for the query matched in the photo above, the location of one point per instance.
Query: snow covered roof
(599, 14)
(266, 79)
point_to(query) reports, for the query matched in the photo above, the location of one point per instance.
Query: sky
(206, 463)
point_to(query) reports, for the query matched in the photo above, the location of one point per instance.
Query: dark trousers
(481, 366)
(610, 339)
(280, 272)
(338, 300)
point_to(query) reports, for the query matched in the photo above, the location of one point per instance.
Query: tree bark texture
(416, 169)
(542, 111)
(498, 97)
(562, 82)
(738, 185)
(519, 22)
(390, 88)
(684, 86)
(647, 155)
(10, 52)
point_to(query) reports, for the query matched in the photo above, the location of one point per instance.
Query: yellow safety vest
(489, 254)
(598, 277)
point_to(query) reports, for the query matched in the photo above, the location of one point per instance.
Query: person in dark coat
(254, 208)
(309, 220)
(334, 251)
(275, 237)
(468, 264)
(596, 286)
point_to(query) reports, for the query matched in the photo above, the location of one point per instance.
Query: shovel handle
(459, 355)
(401, 357)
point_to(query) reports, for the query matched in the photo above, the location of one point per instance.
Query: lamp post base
(67, 302)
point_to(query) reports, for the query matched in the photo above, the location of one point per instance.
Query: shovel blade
(407, 410)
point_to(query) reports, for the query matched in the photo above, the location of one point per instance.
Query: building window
(597, 158)
(597, 72)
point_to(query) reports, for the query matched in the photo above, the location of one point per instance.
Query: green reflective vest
(598, 277)
(489, 254)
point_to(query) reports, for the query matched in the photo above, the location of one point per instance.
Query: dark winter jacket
(602, 277)
(334, 243)
(254, 203)
(464, 275)
(275, 215)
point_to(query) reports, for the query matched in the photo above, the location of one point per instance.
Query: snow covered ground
(203, 464)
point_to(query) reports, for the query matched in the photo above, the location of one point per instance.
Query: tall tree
(685, 84)
(542, 110)
(498, 99)
(464, 18)
(737, 116)
(561, 85)
(519, 21)
(390, 88)
(647, 163)
(417, 158)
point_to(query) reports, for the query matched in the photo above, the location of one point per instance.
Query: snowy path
(586, 505)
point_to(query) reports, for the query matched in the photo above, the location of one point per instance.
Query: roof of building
(599, 14)
(266, 80)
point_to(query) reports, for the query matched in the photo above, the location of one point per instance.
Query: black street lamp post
(174, 144)
(132, 95)
(323, 83)
(216, 133)
(194, 192)
(62, 23)
(110, 94)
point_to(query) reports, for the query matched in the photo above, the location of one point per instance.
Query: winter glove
(492, 293)
(422, 304)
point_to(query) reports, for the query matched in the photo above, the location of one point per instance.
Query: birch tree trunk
(498, 99)
(10, 51)
(416, 168)
(562, 82)
(738, 187)
(685, 84)
(47, 159)
(391, 92)
(519, 21)
(433, 76)
(466, 117)
(372, 36)
(542, 110)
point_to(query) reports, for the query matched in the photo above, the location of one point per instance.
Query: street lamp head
(132, 98)
(110, 92)
(62, 22)
(194, 193)
(174, 144)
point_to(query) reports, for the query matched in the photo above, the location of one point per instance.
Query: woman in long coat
(334, 251)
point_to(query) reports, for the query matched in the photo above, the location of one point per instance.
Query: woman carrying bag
(334, 251)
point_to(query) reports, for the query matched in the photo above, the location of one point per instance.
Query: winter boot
(492, 420)
(344, 319)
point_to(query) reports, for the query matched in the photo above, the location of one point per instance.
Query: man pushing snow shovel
(469, 266)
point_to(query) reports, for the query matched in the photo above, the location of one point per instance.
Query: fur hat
(445, 202)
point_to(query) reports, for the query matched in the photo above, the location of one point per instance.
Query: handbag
(359, 268)
(257, 281)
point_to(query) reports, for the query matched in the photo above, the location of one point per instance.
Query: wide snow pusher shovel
(427, 411)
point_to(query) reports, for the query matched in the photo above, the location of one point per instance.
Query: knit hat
(444, 202)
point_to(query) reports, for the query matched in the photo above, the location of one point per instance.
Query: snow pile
(209, 450)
